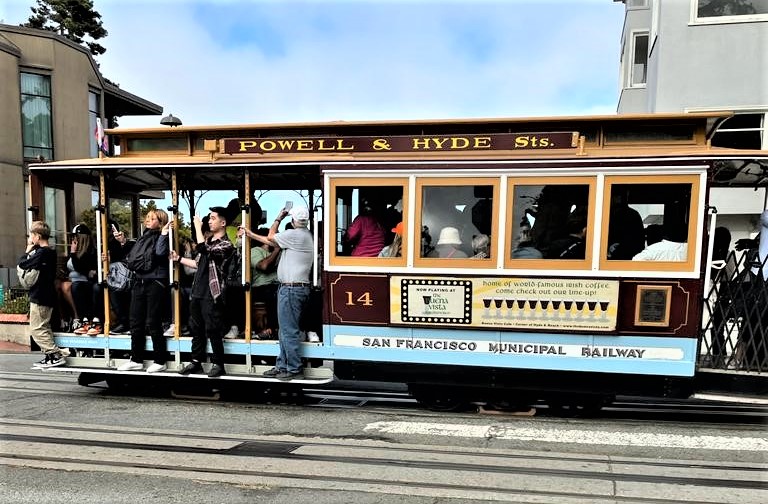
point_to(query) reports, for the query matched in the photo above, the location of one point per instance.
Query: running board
(235, 372)
(731, 399)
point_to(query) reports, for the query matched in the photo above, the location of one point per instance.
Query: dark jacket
(160, 270)
(85, 263)
(43, 259)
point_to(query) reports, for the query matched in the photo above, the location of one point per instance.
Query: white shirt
(663, 251)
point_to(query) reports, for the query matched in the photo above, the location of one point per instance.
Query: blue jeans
(290, 305)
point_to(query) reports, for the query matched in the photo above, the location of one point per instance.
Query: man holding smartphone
(293, 273)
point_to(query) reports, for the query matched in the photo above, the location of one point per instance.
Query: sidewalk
(10, 347)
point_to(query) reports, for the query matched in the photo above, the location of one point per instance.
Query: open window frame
(469, 262)
(689, 264)
(549, 264)
(348, 182)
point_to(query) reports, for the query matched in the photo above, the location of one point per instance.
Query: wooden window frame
(468, 263)
(386, 262)
(551, 264)
(693, 218)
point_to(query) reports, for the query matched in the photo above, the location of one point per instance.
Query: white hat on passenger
(449, 236)
(300, 214)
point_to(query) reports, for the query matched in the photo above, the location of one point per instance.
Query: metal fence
(735, 326)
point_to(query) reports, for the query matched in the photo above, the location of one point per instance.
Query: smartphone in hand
(288, 206)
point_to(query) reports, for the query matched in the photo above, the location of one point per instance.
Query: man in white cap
(293, 273)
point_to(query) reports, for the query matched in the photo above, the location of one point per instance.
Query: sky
(223, 62)
(212, 62)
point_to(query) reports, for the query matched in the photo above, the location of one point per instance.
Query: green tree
(74, 19)
(120, 212)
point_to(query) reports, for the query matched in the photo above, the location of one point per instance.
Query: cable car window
(650, 222)
(367, 219)
(456, 222)
(551, 221)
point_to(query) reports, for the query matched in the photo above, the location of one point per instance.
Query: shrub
(18, 304)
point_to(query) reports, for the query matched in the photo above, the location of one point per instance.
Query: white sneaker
(312, 337)
(156, 368)
(131, 366)
(233, 332)
(168, 332)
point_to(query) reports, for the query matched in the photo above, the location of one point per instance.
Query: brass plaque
(652, 305)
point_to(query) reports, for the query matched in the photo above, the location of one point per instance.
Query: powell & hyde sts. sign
(401, 143)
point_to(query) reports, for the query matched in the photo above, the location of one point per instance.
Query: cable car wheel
(437, 398)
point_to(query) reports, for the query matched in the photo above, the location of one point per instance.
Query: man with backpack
(206, 307)
(148, 261)
(42, 294)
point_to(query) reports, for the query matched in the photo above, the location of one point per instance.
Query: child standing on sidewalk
(42, 295)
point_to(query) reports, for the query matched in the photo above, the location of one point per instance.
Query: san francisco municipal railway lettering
(629, 353)
(401, 143)
(420, 344)
(501, 348)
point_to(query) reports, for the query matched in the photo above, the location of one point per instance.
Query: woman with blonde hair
(148, 259)
(394, 248)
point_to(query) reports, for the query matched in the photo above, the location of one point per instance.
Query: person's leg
(65, 287)
(718, 332)
(283, 316)
(156, 294)
(214, 316)
(97, 301)
(270, 303)
(197, 329)
(291, 303)
(184, 308)
(138, 323)
(40, 328)
(81, 295)
(233, 311)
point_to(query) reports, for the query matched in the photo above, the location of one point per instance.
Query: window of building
(550, 221)
(178, 144)
(37, 128)
(719, 11)
(650, 222)
(456, 220)
(93, 114)
(742, 131)
(55, 201)
(367, 221)
(639, 65)
(636, 4)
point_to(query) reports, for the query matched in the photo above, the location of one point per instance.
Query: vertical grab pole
(315, 245)
(245, 220)
(101, 246)
(710, 247)
(100, 262)
(173, 268)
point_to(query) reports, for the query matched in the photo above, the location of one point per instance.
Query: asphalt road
(62, 442)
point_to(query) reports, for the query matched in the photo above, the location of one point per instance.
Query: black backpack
(231, 270)
(141, 258)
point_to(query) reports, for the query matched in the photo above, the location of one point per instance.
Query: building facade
(51, 95)
(703, 55)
